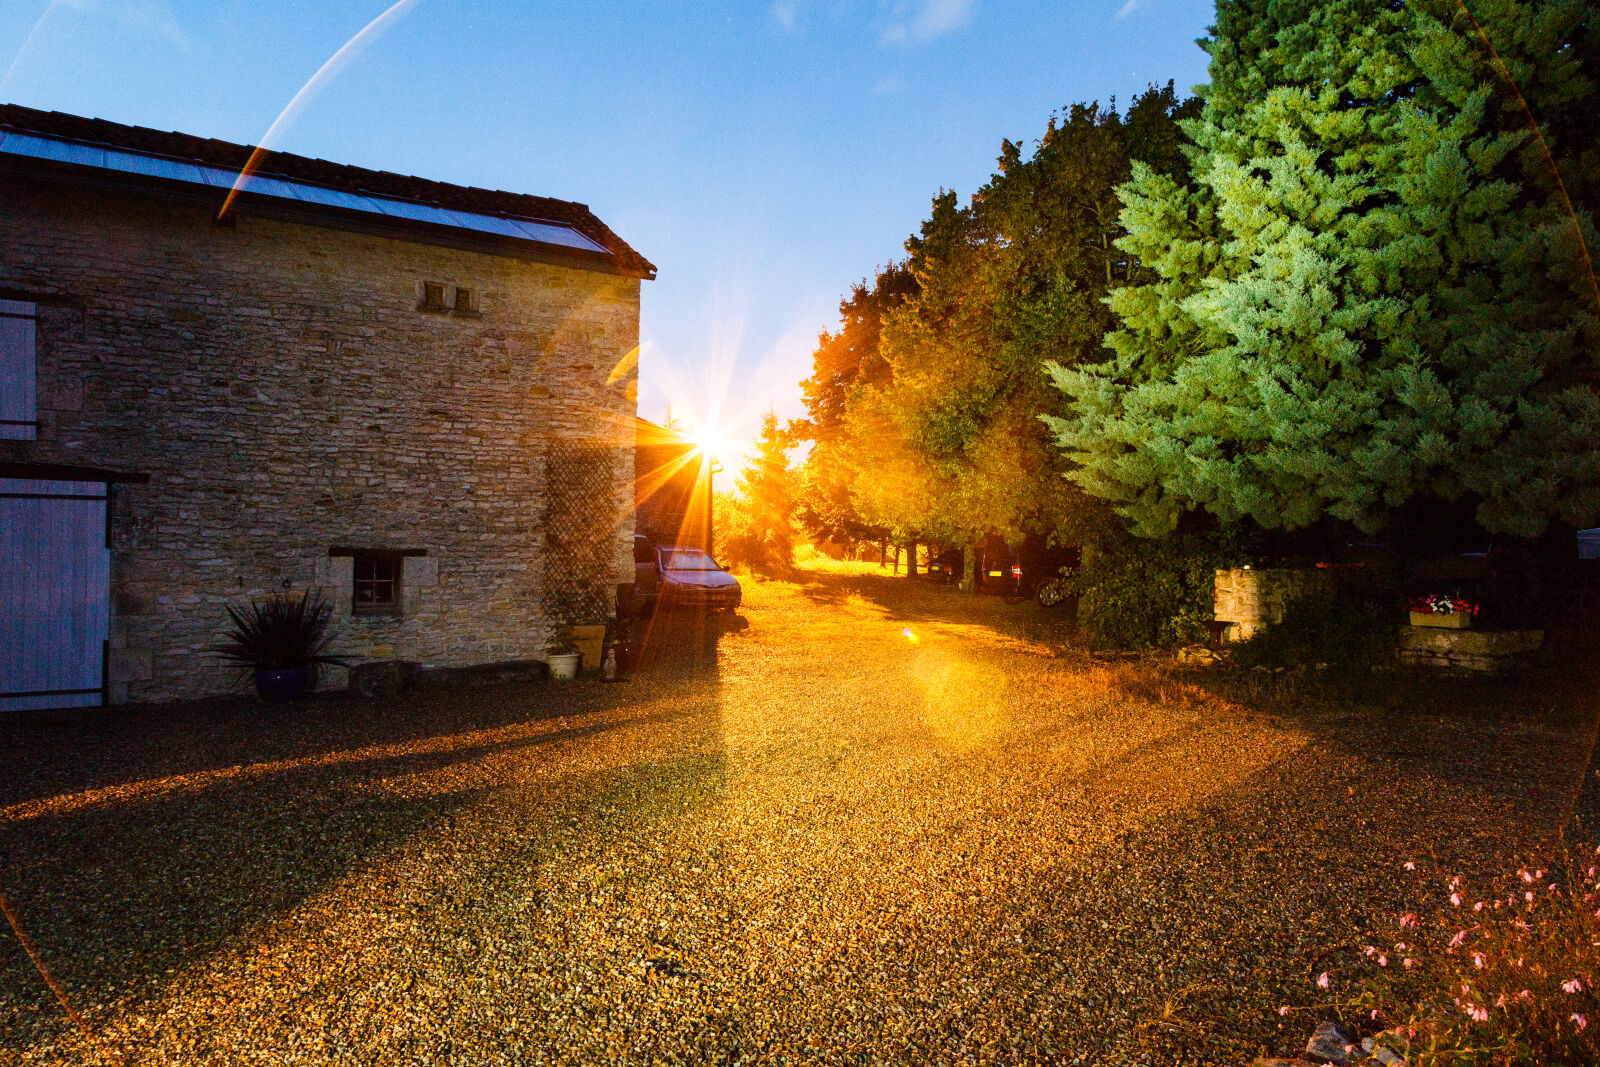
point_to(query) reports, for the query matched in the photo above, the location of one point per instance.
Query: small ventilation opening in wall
(432, 297)
(466, 302)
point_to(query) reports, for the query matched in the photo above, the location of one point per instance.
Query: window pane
(376, 583)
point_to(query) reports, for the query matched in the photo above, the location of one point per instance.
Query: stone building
(260, 372)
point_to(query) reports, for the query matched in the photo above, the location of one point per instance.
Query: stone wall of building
(280, 386)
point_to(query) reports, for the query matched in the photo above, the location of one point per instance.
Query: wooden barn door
(55, 594)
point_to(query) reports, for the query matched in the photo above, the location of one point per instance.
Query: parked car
(676, 576)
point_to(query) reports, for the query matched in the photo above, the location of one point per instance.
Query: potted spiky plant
(283, 638)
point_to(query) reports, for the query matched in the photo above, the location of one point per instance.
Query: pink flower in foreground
(1526, 877)
(1455, 899)
(1572, 986)
(1410, 865)
(1410, 963)
(1459, 939)
(1581, 1020)
(1477, 1014)
(1524, 995)
(1369, 950)
(1528, 896)
(1408, 919)
(1284, 1010)
(1383, 961)
(1376, 1013)
(1478, 906)
(1477, 960)
(1322, 980)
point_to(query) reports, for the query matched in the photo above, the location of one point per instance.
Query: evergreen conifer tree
(766, 540)
(1371, 292)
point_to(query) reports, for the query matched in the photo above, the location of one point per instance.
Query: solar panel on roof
(556, 234)
(156, 167)
(61, 151)
(217, 177)
(271, 187)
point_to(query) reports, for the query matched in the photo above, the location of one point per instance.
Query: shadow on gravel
(137, 841)
(123, 890)
(1518, 740)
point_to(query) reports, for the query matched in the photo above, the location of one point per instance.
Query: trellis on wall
(580, 527)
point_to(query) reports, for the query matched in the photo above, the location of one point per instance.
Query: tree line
(1345, 290)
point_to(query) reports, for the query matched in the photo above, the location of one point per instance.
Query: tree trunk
(896, 569)
(969, 569)
(883, 552)
(911, 560)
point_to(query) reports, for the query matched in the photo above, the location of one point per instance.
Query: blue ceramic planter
(284, 685)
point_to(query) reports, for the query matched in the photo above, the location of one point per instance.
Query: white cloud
(923, 20)
(1129, 8)
(787, 14)
(153, 16)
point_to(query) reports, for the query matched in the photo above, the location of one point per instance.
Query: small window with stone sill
(376, 583)
(433, 298)
(466, 305)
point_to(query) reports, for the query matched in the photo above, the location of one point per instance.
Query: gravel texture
(874, 822)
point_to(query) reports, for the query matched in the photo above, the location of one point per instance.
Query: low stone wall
(1467, 651)
(1251, 599)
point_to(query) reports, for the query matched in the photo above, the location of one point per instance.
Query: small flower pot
(1456, 620)
(282, 686)
(564, 665)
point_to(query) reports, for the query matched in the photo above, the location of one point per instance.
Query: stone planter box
(1467, 651)
(1456, 620)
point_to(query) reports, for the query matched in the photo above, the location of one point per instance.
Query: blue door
(55, 593)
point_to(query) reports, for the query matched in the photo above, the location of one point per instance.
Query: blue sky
(765, 156)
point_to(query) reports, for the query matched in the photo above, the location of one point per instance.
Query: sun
(717, 442)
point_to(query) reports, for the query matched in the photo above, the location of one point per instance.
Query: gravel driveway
(823, 841)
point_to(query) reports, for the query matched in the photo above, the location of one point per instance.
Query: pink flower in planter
(1477, 960)
(1581, 1020)
(1322, 980)
(1477, 1014)
(1284, 1010)
(1408, 919)
(1572, 986)
(1410, 865)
